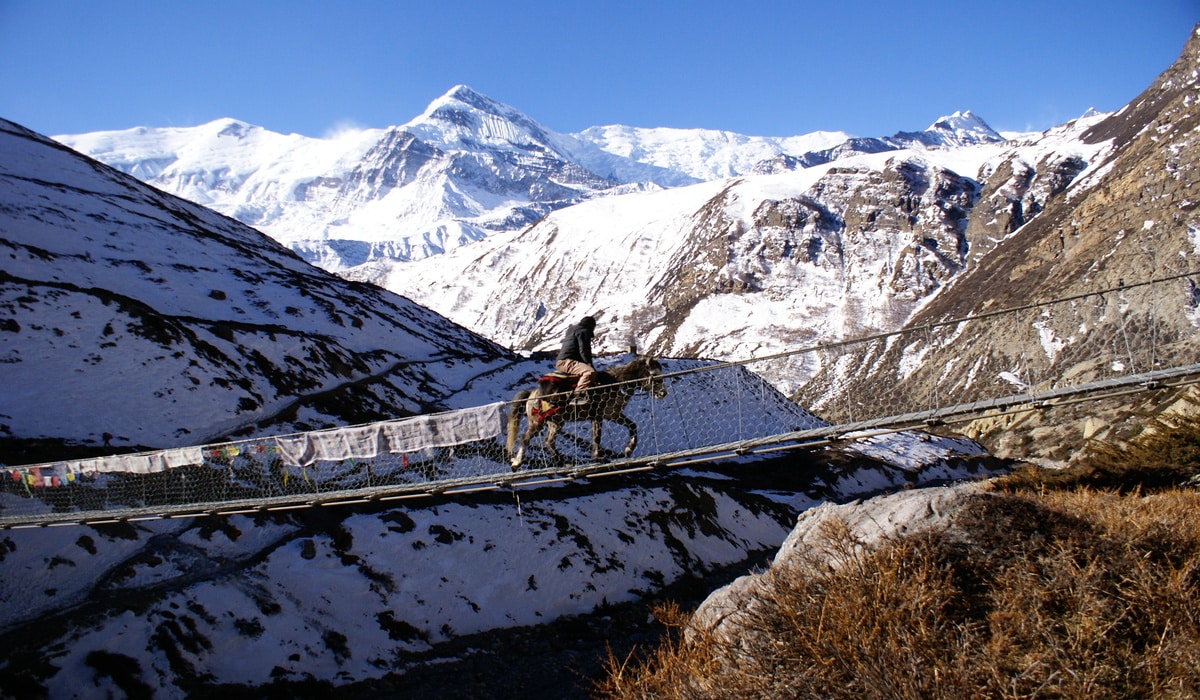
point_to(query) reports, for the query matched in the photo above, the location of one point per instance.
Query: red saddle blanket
(559, 386)
(562, 382)
(558, 381)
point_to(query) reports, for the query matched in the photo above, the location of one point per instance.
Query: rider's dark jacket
(577, 344)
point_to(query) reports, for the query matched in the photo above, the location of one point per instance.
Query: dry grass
(1081, 584)
(1165, 454)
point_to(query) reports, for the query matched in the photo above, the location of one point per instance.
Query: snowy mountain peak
(466, 95)
(463, 118)
(460, 99)
(959, 121)
(233, 127)
(958, 129)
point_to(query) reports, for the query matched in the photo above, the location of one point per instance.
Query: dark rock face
(901, 231)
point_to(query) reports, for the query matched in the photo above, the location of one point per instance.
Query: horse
(550, 406)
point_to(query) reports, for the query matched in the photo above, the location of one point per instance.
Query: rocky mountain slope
(128, 311)
(749, 266)
(1042, 233)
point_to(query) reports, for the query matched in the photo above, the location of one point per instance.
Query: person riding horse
(541, 409)
(575, 357)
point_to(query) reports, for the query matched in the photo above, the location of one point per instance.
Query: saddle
(556, 382)
(557, 386)
(560, 382)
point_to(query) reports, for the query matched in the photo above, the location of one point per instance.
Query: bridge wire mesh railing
(1115, 340)
(1083, 340)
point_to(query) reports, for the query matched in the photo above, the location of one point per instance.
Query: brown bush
(1045, 588)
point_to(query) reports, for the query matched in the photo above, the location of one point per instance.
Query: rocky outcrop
(726, 614)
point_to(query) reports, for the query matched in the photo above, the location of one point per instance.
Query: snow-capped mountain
(467, 167)
(866, 228)
(1098, 204)
(737, 268)
(128, 311)
(955, 131)
(866, 239)
(958, 129)
(703, 154)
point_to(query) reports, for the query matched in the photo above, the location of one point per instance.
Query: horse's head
(644, 373)
(654, 384)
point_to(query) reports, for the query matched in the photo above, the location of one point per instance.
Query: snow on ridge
(465, 168)
(225, 164)
(141, 314)
(705, 154)
(627, 237)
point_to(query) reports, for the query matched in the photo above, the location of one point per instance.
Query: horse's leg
(518, 455)
(552, 429)
(520, 404)
(622, 419)
(597, 430)
(530, 431)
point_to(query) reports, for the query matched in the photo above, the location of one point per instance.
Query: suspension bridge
(1108, 343)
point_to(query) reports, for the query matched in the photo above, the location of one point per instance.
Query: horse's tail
(515, 409)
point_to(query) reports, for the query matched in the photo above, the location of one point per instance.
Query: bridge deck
(807, 438)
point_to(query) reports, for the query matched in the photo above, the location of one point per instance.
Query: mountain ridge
(730, 269)
(468, 166)
(129, 311)
(1130, 215)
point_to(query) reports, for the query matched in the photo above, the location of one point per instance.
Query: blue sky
(765, 68)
